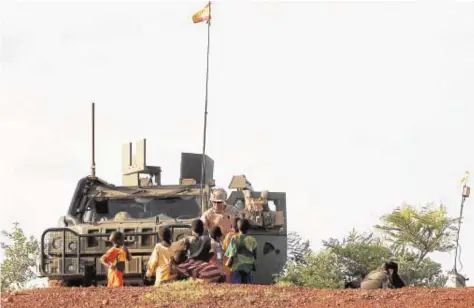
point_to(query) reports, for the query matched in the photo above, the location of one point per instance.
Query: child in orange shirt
(114, 259)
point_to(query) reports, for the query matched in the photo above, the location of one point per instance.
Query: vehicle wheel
(74, 283)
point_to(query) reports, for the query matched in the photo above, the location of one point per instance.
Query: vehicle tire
(74, 283)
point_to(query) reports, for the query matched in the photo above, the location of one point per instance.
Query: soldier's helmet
(121, 216)
(218, 195)
(116, 237)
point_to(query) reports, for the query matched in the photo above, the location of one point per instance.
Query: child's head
(198, 226)
(215, 233)
(391, 266)
(117, 238)
(165, 234)
(243, 225)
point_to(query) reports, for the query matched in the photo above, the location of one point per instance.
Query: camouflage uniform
(222, 218)
(378, 279)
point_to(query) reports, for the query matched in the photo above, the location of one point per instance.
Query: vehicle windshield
(182, 207)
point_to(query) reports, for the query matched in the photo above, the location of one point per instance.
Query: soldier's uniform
(221, 214)
(378, 279)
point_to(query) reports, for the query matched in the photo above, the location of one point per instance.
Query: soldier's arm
(205, 219)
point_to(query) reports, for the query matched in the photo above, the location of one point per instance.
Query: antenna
(455, 279)
(93, 142)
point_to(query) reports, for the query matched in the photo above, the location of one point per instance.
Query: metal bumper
(68, 255)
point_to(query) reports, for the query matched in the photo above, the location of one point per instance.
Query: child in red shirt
(114, 259)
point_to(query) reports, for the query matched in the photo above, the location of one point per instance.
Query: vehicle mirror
(62, 222)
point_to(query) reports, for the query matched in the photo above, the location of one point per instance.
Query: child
(198, 245)
(242, 253)
(160, 260)
(201, 271)
(114, 259)
(216, 247)
(225, 245)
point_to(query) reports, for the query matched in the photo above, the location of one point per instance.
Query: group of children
(212, 258)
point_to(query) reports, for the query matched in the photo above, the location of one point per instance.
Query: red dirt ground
(199, 295)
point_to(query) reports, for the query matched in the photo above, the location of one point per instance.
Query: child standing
(242, 253)
(114, 260)
(160, 260)
(225, 245)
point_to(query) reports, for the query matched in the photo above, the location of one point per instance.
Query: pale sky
(349, 108)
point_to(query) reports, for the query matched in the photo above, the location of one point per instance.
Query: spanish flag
(203, 15)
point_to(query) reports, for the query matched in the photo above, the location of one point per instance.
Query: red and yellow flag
(203, 15)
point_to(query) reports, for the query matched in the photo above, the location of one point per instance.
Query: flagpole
(203, 165)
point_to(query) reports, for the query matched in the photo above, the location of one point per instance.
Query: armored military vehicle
(70, 252)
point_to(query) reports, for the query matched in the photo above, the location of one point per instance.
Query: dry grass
(195, 294)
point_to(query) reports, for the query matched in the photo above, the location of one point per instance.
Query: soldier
(114, 259)
(377, 279)
(221, 213)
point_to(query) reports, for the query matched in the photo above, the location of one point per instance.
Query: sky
(350, 108)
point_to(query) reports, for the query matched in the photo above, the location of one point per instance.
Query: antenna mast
(455, 279)
(465, 194)
(93, 142)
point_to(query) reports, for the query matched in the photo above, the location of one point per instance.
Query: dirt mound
(190, 294)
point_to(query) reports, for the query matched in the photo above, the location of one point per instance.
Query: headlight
(72, 246)
(57, 243)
